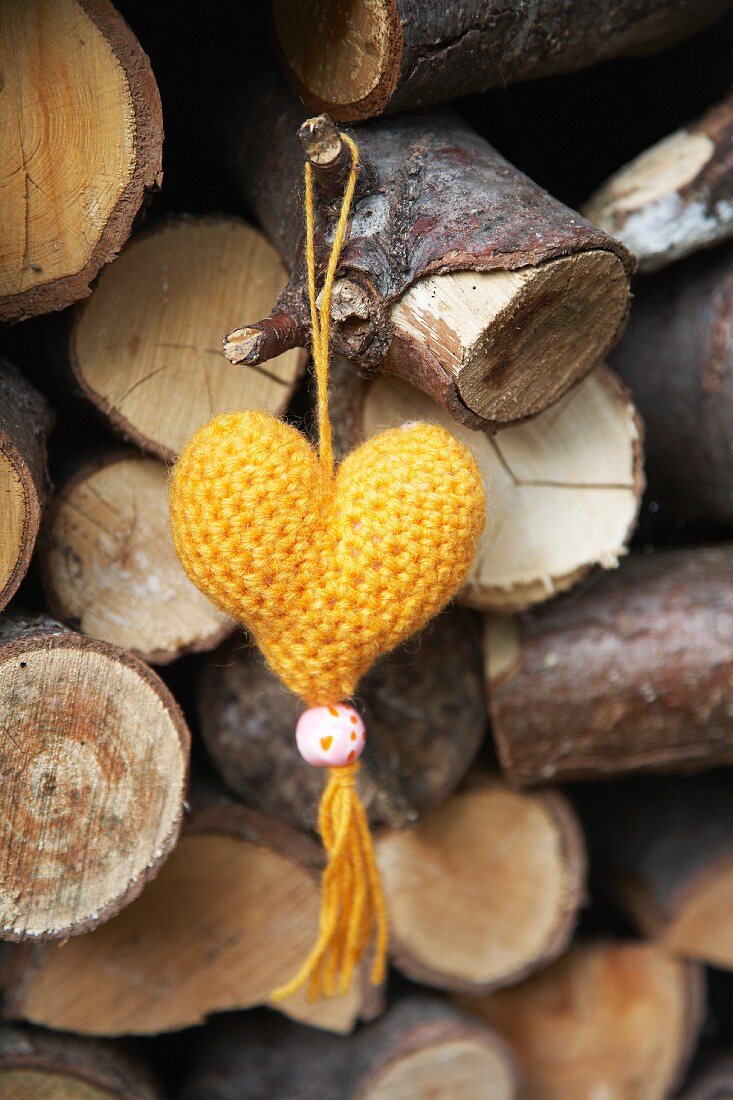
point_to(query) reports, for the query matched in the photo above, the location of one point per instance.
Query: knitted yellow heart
(326, 573)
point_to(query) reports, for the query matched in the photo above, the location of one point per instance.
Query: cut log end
(484, 922)
(79, 160)
(515, 341)
(94, 757)
(110, 569)
(466, 1068)
(343, 59)
(629, 1013)
(562, 490)
(146, 348)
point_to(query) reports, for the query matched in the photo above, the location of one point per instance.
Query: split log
(146, 348)
(677, 357)
(110, 569)
(230, 917)
(675, 198)
(93, 760)
(422, 1047)
(82, 136)
(616, 1020)
(360, 59)
(667, 859)
(36, 1064)
(562, 490)
(459, 275)
(486, 920)
(714, 1082)
(423, 707)
(25, 422)
(631, 674)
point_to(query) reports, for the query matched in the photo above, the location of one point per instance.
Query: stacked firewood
(551, 938)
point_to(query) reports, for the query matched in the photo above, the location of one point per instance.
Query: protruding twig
(327, 153)
(263, 340)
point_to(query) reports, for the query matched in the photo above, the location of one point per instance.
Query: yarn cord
(353, 910)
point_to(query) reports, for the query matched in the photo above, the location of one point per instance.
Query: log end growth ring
(342, 58)
(19, 522)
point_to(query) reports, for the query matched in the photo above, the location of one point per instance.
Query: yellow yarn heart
(327, 572)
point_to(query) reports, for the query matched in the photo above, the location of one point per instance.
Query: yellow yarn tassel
(352, 903)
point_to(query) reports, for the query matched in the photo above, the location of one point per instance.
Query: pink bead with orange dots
(330, 737)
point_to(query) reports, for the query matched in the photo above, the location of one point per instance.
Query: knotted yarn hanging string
(328, 567)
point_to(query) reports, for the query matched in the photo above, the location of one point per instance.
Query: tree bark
(94, 761)
(459, 274)
(25, 423)
(37, 1064)
(714, 1082)
(668, 861)
(611, 1019)
(631, 674)
(110, 569)
(421, 1047)
(146, 348)
(483, 890)
(562, 490)
(230, 917)
(395, 54)
(424, 714)
(675, 198)
(77, 164)
(677, 357)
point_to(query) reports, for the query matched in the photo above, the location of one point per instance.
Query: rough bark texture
(110, 569)
(94, 767)
(433, 198)
(230, 917)
(485, 889)
(404, 53)
(677, 358)
(37, 1064)
(424, 714)
(677, 197)
(121, 70)
(632, 673)
(421, 1047)
(25, 423)
(608, 1019)
(668, 861)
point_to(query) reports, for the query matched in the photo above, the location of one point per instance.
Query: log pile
(548, 766)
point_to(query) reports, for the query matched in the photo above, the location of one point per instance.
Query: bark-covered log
(675, 198)
(615, 1020)
(37, 1065)
(562, 490)
(485, 889)
(146, 348)
(230, 917)
(633, 673)
(423, 707)
(82, 136)
(110, 569)
(677, 357)
(459, 275)
(25, 422)
(422, 1047)
(93, 760)
(358, 59)
(664, 851)
(713, 1082)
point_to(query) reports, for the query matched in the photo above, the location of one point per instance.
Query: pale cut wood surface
(110, 569)
(515, 341)
(225, 922)
(562, 490)
(617, 1021)
(484, 889)
(13, 519)
(81, 143)
(459, 1069)
(147, 347)
(94, 759)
